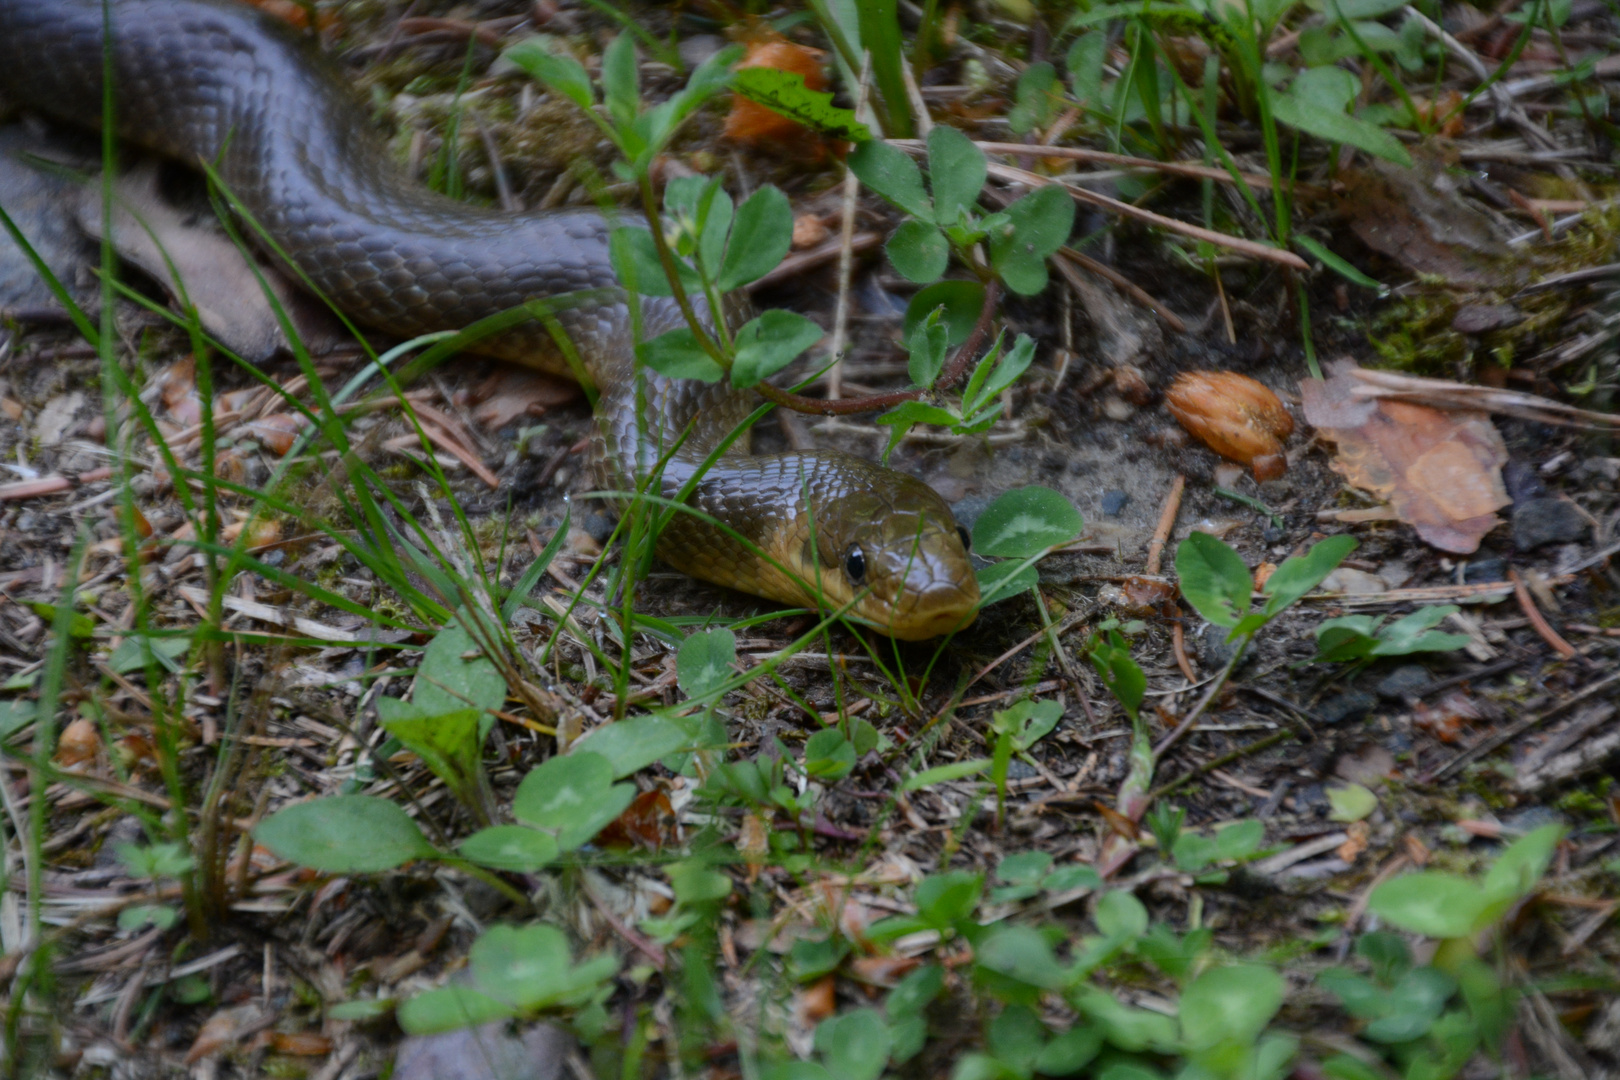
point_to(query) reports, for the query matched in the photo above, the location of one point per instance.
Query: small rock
(1117, 409)
(1404, 682)
(1019, 770)
(1348, 706)
(1214, 651)
(967, 510)
(1312, 800)
(1545, 521)
(599, 527)
(485, 1052)
(1347, 579)
(1274, 535)
(1114, 501)
(1483, 318)
(1479, 571)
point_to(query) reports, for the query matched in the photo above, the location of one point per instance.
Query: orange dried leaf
(277, 432)
(1235, 416)
(816, 1002)
(649, 822)
(263, 533)
(1441, 471)
(301, 1043)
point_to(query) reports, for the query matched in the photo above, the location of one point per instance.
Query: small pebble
(1545, 521)
(1114, 501)
(1349, 706)
(1404, 682)
(1483, 570)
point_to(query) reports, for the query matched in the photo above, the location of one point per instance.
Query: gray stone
(486, 1052)
(1342, 708)
(1483, 318)
(1545, 521)
(1404, 682)
(1114, 501)
(1482, 570)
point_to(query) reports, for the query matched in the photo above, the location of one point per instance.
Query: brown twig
(1167, 521)
(51, 485)
(1178, 639)
(1099, 157)
(1538, 621)
(1502, 738)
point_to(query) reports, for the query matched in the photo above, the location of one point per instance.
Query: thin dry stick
(846, 249)
(1538, 621)
(1502, 738)
(1445, 394)
(1167, 521)
(1099, 157)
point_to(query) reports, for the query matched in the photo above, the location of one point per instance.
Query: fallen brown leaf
(753, 123)
(1441, 471)
(78, 744)
(513, 392)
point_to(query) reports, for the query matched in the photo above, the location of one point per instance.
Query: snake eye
(967, 538)
(855, 564)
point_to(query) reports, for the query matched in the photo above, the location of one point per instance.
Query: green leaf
(1024, 867)
(1128, 1029)
(1335, 263)
(1028, 721)
(1032, 106)
(1348, 637)
(892, 174)
(927, 345)
(1014, 1038)
(448, 744)
(855, 1045)
(532, 967)
(913, 993)
(524, 587)
(1413, 633)
(620, 85)
(1350, 802)
(1004, 580)
(1299, 575)
(635, 742)
(760, 236)
(360, 1009)
(561, 73)
(1235, 1002)
(704, 661)
(784, 92)
(919, 251)
(511, 847)
(80, 625)
(906, 415)
(1025, 522)
(1430, 903)
(962, 301)
(983, 389)
(1038, 224)
(450, 1008)
(344, 834)
(1213, 579)
(635, 260)
(1021, 953)
(574, 795)
(1315, 119)
(695, 882)
(133, 651)
(1085, 64)
(956, 172)
(828, 756)
(1069, 1052)
(769, 343)
(1123, 677)
(1517, 870)
(678, 355)
(945, 900)
(940, 774)
(1121, 915)
(1240, 839)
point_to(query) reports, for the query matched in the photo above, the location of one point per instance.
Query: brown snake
(208, 80)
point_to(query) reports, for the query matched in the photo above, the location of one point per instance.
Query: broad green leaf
(760, 237)
(1213, 579)
(1128, 1029)
(1123, 677)
(1014, 1038)
(1024, 522)
(1240, 839)
(704, 661)
(1348, 637)
(532, 967)
(919, 251)
(1331, 88)
(678, 355)
(962, 301)
(450, 1008)
(561, 73)
(695, 882)
(927, 345)
(913, 993)
(956, 172)
(1431, 903)
(1414, 633)
(769, 343)
(361, 1009)
(795, 1070)
(574, 795)
(344, 834)
(1028, 721)
(1003, 580)
(1121, 915)
(940, 774)
(1350, 802)
(80, 625)
(1517, 870)
(785, 92)
(1024, 867)
(1299, 575)
(1235, 1002)
(1038, 224)
(1339, 127)
(454, 674)
(1085, 64)
(855, 1045)
(1021, 953)
(906, 415)
(635, 742)
(1033, 104)
(1069, 1052)
(132, 653)
(828, 756)
(510, 847)
(448, 743)
(944, 900)
(1006, 372)
(635, 263)
(892, 174)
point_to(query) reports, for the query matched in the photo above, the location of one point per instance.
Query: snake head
(898, 551)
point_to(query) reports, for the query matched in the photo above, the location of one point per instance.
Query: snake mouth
(941, 608)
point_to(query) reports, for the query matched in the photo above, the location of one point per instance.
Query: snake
(219, 83)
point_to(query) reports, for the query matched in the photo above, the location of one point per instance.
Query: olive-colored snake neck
(208, 80)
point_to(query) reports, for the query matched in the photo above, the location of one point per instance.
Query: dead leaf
(513, 392)
(881, 970)
(277, 432)
(51, 425)
(1447, 718)
(1440, 471)
(1369, 766)
(191, 256)
(221, 1030)
(301, 1043)
(750, 122)
(1418, 217)
(649, 822)
(816, 1002)
(79, 743)
(1357, 833)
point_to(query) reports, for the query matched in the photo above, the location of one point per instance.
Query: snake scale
(214, 81)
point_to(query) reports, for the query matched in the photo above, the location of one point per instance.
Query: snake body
(209, 80)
